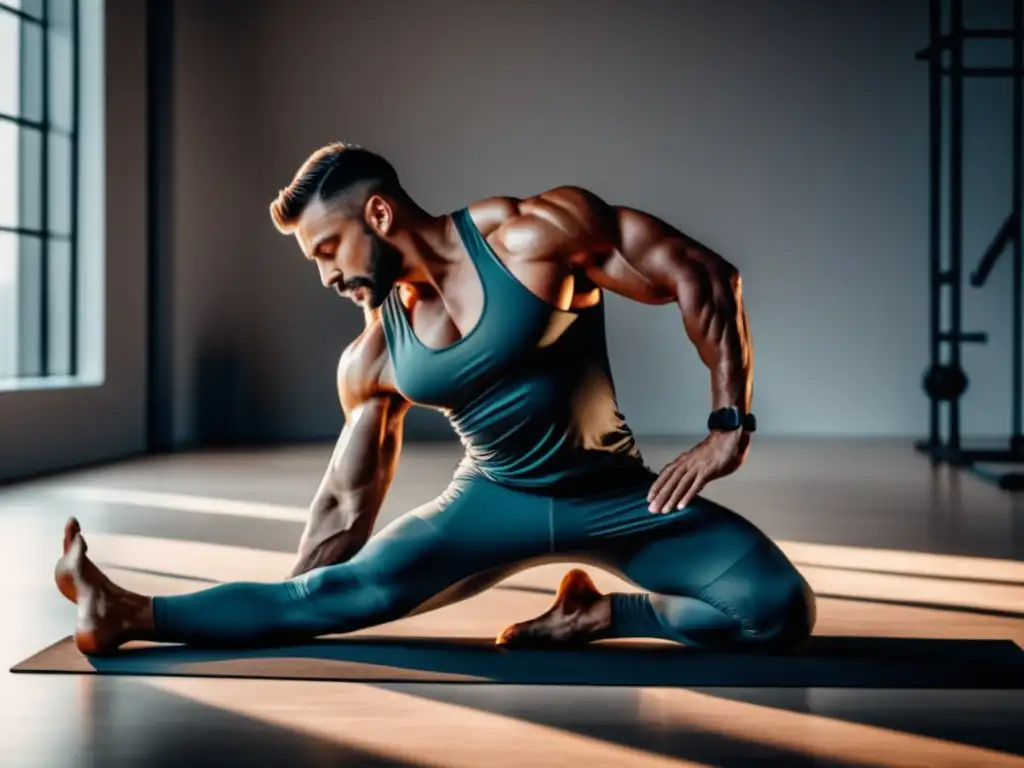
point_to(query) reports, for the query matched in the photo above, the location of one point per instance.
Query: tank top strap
(488, 266)
(394, 321)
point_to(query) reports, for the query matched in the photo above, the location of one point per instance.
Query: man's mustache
(346, 286)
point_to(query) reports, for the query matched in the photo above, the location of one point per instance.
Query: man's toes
(532, 634)
(526, 633)
(64, 571)
(71, 530)
(508, 636)
(66, 583)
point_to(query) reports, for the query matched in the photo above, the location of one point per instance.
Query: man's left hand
(719, 454)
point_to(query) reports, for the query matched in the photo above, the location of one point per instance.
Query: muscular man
(495, 316)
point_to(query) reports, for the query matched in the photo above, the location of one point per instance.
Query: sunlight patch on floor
(207, 505)
(812, 735)
(408, 728)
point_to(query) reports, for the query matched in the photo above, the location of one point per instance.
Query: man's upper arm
(373, 412)
(634, 253)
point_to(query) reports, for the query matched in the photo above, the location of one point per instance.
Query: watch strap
(730, 419)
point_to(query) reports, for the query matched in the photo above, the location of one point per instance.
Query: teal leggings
(712, 579)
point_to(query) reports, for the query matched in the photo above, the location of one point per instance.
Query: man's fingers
(683, 490)
(663, 477)
(660, 481)
(655, 487)
(669, 479)
(694, 488)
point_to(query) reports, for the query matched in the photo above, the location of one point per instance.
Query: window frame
(34, 333)
(56, 424)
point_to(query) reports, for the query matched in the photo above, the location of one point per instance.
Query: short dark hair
(345, 174)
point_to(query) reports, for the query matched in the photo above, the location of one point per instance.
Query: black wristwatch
(730, 419)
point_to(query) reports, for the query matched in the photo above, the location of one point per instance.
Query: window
(39, 280)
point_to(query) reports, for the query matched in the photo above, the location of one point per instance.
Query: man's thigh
(706, 553)
(677, 553)
(473, 535)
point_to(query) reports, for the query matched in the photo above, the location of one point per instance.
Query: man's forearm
(343, 513)
(715, 319)
(731, 358)
(356, 481)
(345, 506)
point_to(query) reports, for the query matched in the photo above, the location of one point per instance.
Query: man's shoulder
(492, 212)
(362, 365)
(567, 212)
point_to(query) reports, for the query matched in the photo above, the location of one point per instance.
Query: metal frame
(948, 279)
(43, 233)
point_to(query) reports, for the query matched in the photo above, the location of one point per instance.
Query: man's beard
(384, 270)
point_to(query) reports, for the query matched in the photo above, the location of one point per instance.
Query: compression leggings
(712, 579)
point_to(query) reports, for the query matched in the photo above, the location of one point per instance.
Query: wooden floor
(900, 550)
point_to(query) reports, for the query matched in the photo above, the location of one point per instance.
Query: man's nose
(329, 275)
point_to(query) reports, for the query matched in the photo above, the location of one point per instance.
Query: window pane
(9, 166)
(32, 71)
(8, 305)
(61, 78)
(29, 309)
(31, 7)
(60, 185)
(10, 50)
(59, 308)
(60, 12)
(30, 156)
(28, 188)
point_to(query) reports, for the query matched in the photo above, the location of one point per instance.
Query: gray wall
(47, 429)
(218, 215)
(790, 136)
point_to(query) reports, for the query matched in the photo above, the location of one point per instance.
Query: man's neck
(430, 248)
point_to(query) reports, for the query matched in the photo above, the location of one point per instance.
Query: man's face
(350, 256)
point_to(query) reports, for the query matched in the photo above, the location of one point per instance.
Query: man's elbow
(723, 271)
(723, 283)
(734, 281)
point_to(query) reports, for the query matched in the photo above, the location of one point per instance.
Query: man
(495, 315)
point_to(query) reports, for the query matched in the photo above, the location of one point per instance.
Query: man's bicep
(373, 415)
(654, 262)
(372, 430)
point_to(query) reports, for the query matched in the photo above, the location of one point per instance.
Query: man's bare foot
(65, 583)
(108, 616)
(580, 615)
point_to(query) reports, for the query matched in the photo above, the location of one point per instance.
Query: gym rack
(945, 380)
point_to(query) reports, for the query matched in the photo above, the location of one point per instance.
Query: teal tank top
(528, 389)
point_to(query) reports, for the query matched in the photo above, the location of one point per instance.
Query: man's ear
(379, 214)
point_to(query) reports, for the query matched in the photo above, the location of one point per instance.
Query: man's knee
(345, 590)
(769, 597)
(784, 623)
